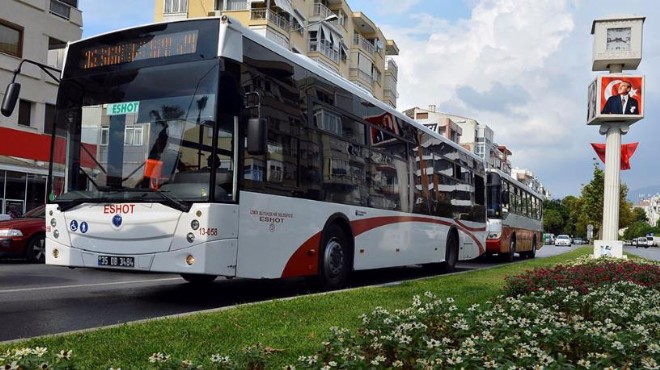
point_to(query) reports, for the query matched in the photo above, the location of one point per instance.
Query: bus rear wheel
(531, 254)
(334, 259)
(198, 278)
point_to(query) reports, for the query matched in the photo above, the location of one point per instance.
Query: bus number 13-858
(211, 231)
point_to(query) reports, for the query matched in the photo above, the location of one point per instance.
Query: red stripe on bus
(305, 260)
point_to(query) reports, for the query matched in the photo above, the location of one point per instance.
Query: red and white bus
(515, 217)
(201, 148)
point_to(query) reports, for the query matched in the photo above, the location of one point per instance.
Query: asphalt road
(38, 299)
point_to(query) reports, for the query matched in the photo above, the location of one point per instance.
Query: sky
(522, 67)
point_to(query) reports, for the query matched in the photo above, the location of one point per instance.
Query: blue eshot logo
(117, 220)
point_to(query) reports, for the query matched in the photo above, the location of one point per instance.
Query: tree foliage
(571, 215)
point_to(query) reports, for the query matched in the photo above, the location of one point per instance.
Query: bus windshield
(493, 196)
(152, 134)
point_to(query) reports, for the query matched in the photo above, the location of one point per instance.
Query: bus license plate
(116, 261)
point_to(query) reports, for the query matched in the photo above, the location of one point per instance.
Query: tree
(555, 216)
(592, 200)
(573, 206)
(639, 214)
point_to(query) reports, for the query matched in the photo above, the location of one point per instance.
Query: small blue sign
(74, 225)
(117, 220)
(84, 227)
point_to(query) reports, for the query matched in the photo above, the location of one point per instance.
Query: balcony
(391, 68)
(324, 48)
(273, 18)
(363, 43)
(62, 8)
(362, 76)
(321, 11)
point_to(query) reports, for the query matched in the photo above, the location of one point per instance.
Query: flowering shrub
(584, 274)
(36, 358)
(611, 327)
(593, 314)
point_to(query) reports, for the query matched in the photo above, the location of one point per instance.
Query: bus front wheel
(334, 259)
(451, 253)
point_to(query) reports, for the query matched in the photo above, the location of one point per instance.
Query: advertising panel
(615, 98)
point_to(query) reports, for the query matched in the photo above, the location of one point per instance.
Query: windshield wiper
(168, 200)
(64, 206)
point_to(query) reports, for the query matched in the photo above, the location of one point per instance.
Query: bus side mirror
(256, 136)
(504, 197)
(10, 99)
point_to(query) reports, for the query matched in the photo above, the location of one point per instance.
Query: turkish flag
(627, 151)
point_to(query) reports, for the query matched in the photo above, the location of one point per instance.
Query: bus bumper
(214, 258)
(493, 246)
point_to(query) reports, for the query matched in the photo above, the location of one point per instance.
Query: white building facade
(37, 30)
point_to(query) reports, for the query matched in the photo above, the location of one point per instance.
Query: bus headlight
(56, 252)
(194, 224)
(190, 237)
(56, 234)
(494, 235)
(53, 222)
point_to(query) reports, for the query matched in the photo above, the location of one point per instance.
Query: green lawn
(291, 327)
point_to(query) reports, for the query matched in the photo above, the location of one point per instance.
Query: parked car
(25, 236)
(643, 241)
(563, 240)
(579, 241)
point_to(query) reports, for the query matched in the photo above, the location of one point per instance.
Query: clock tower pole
(613, 106)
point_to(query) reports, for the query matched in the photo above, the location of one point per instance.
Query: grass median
(289, 328)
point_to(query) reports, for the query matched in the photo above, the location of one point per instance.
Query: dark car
(24, 236)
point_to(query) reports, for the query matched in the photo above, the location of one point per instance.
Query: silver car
(563, 240)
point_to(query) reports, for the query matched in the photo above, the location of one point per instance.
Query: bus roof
(308, 64)
(516, 182)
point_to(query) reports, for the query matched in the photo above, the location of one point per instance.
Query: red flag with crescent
(627, 151)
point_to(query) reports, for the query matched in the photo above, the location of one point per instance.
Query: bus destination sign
(147, 47)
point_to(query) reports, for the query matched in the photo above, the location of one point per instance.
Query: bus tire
(531, 254)
(199, 278)
(334, 259)
(508, 257)
(451, 253)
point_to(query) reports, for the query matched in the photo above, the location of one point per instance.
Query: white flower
(65, 355)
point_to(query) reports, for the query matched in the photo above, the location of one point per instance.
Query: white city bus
(515, 217)
(201, 148)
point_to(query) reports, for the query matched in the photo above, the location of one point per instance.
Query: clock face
(618, 39)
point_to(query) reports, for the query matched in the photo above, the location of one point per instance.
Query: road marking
(86, 285)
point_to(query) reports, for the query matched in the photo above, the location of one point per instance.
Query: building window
(49, 119)
(176, 6)
(133, 136)
(11, 39)
(24, 112)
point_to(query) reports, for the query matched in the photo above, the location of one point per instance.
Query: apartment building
(37, 30)
(528, 178)
(327, 31)
(472, 135)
